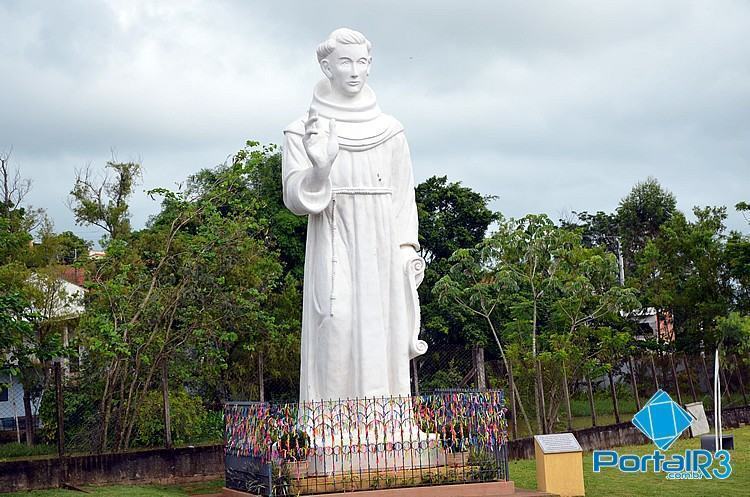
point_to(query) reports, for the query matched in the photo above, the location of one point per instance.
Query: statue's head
(345, 60)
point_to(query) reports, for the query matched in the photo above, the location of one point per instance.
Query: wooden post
(415, 376)
(15, 418)
(28, 417)
(663, 370)
(591, 400)
(60, 406)
(512, 384)
(739, 377)
(567, 397)
(165, 397)
(690, 376)
(542, 402)
(674, 378)
(634, 383)
(613, 391)
(653, 371)
(261, 386)
(478, 355)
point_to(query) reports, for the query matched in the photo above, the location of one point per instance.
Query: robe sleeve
(306, 189)
(403, 195)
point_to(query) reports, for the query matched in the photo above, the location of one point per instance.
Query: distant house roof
(75, 275)
(660, 323)
(97, 254)
(63, 299)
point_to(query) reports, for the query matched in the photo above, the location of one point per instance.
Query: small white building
(63, 302)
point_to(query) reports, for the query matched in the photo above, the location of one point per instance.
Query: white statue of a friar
(346, 165)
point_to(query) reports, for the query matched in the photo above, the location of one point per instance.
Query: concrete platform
(488, 489)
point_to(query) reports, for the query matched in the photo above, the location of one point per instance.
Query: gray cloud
(553, 106)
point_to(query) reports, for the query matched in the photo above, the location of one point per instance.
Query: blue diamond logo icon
(662, 420)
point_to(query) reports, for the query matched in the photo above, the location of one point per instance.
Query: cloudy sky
(552, 106)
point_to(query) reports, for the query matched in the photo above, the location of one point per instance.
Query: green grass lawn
(613, 483)
(608, 483)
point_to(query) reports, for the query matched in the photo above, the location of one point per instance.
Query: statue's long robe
(359, 310)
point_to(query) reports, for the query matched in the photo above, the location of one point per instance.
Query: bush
(16, 450)
(191, 423)
(81, 419)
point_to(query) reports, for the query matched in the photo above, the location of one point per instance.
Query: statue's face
(347, 67)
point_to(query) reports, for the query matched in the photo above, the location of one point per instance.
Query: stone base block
(488, 489)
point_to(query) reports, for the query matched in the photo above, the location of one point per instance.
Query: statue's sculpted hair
(345, 36)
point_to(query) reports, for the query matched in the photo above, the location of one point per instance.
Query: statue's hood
(360, 126)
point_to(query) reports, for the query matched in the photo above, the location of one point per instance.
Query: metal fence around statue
(359, 444)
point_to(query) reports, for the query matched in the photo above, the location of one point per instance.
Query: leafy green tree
(183, 293)
(451, 217)
(587, 332)
(597, 230)
(542, 294)
(264, 360)
(737, 259)
(640, 216)
(103, 201)
(683, 270)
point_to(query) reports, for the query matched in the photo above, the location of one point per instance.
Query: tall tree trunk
(513, 390)
(28, 417)
(726, 384)
(566, 392)
(60, 408)
(634, 383)
(739, 377)
(478, 356)
(541, 418)
(653, 371)
(613, 392)
(591, 400)
(512, 385)
(165, 399)
(523, 411)
(675, 379)
(690, 376)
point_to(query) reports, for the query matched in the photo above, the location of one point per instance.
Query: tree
(451, 217)
(587, 329)
(30, 339)
(16, 221)
(173, 301)
(597, 230)
(640, 216)
(265, 356)
(477, 284)
(737, 259)
(542, 294)
(684, 270)
(103, 201)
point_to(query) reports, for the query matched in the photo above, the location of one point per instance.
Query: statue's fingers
(312, 125)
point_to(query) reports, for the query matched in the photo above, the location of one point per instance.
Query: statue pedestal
(422, 452)
(367, 435)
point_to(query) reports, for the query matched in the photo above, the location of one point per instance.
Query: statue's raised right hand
(321, 149)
